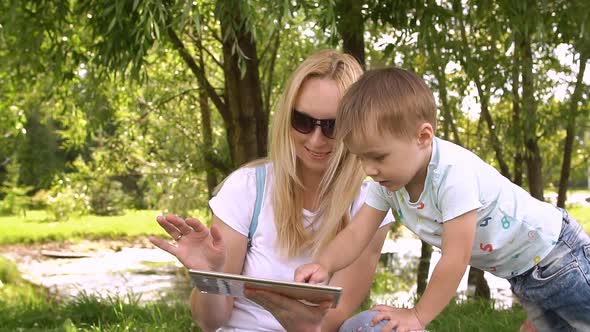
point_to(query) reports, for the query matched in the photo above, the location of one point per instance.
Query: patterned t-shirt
(514, 230)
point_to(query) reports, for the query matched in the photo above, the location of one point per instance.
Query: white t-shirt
(234, 205)
(514, 230)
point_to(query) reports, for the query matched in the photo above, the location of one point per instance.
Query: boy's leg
(556, 292)
(361, 322)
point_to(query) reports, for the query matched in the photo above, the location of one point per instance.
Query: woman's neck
(311, 183)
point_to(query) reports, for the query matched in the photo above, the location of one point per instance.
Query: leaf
(243, 67)
(112, 24)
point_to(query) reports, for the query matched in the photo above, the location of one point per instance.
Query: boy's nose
(370, 170)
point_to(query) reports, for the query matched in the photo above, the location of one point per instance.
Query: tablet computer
(234, 284)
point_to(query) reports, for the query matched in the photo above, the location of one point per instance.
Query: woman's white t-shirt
(234, 205)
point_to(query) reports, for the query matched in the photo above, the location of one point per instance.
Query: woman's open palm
(197, 247)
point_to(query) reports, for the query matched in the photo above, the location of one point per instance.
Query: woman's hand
(196, 246)
(292, 314)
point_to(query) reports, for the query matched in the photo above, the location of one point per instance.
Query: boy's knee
(361, 322)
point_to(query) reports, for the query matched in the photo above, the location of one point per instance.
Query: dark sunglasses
(305, 124)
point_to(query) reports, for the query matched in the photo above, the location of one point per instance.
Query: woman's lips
(317, 155)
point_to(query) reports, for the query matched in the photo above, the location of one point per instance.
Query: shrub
(67, 199)
(107, 197)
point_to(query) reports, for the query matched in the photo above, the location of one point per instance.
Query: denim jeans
(556, 292)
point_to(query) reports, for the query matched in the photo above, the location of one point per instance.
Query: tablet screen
(234, 284)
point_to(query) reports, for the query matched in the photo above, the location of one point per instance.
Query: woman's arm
(211, 311)
(220, 248)
(356, 280)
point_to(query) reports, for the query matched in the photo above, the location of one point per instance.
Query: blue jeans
(556, 292)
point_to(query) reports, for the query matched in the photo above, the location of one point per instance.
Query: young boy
(455, 201)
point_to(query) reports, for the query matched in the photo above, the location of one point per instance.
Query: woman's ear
(425, 134)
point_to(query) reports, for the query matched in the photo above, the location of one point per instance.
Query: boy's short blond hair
(385, 101)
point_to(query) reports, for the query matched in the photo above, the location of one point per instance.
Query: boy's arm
(457, 243)
(345, 247)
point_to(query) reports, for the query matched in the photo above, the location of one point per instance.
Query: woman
(310, 178)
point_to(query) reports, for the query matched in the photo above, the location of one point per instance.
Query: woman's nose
(316, 136)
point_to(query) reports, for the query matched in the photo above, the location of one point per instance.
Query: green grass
(35, 228)
(478, 316)
(582, 215)
(24, 307)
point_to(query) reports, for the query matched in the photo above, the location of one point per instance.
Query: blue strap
(260, 177)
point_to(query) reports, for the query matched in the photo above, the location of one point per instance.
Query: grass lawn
(35, 228)
(25, 307)
(582, 215)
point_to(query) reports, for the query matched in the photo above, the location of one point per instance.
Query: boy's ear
(425, 134)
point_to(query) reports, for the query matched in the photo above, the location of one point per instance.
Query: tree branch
(198, 72)
(195, 41)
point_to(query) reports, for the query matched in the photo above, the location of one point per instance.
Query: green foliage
(106, 196)
(387, 281)
(39, 151)
(64, 69)
(67, 199)
(9, 273)
(14, 197)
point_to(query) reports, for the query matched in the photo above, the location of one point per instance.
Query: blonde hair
(342, 179)
(385, 101)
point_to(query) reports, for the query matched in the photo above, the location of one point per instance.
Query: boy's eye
(379, 158)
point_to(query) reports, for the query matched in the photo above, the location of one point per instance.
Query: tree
(576, 32)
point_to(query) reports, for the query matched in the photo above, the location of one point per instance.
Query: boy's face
(395, 162)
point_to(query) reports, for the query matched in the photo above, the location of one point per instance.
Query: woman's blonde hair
(342, 179)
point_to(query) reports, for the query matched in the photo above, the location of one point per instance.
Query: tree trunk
(496, 145)
(439, 72)
(568, 145)
(476, 279)
(423, 267)
(516, 128)
(532, 153)
(474, 75)
(206, 128)
(351, 26)
(247, 126)
(207, 141)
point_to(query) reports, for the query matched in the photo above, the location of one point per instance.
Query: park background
(112, 112)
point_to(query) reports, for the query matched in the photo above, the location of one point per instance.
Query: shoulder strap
(260, 177)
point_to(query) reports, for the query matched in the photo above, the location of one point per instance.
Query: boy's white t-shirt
(234, 205)
(514, 230)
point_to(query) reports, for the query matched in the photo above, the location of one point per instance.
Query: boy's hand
(312, 273)
(404, 320)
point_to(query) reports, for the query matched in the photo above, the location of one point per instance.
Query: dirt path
(21, 253)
